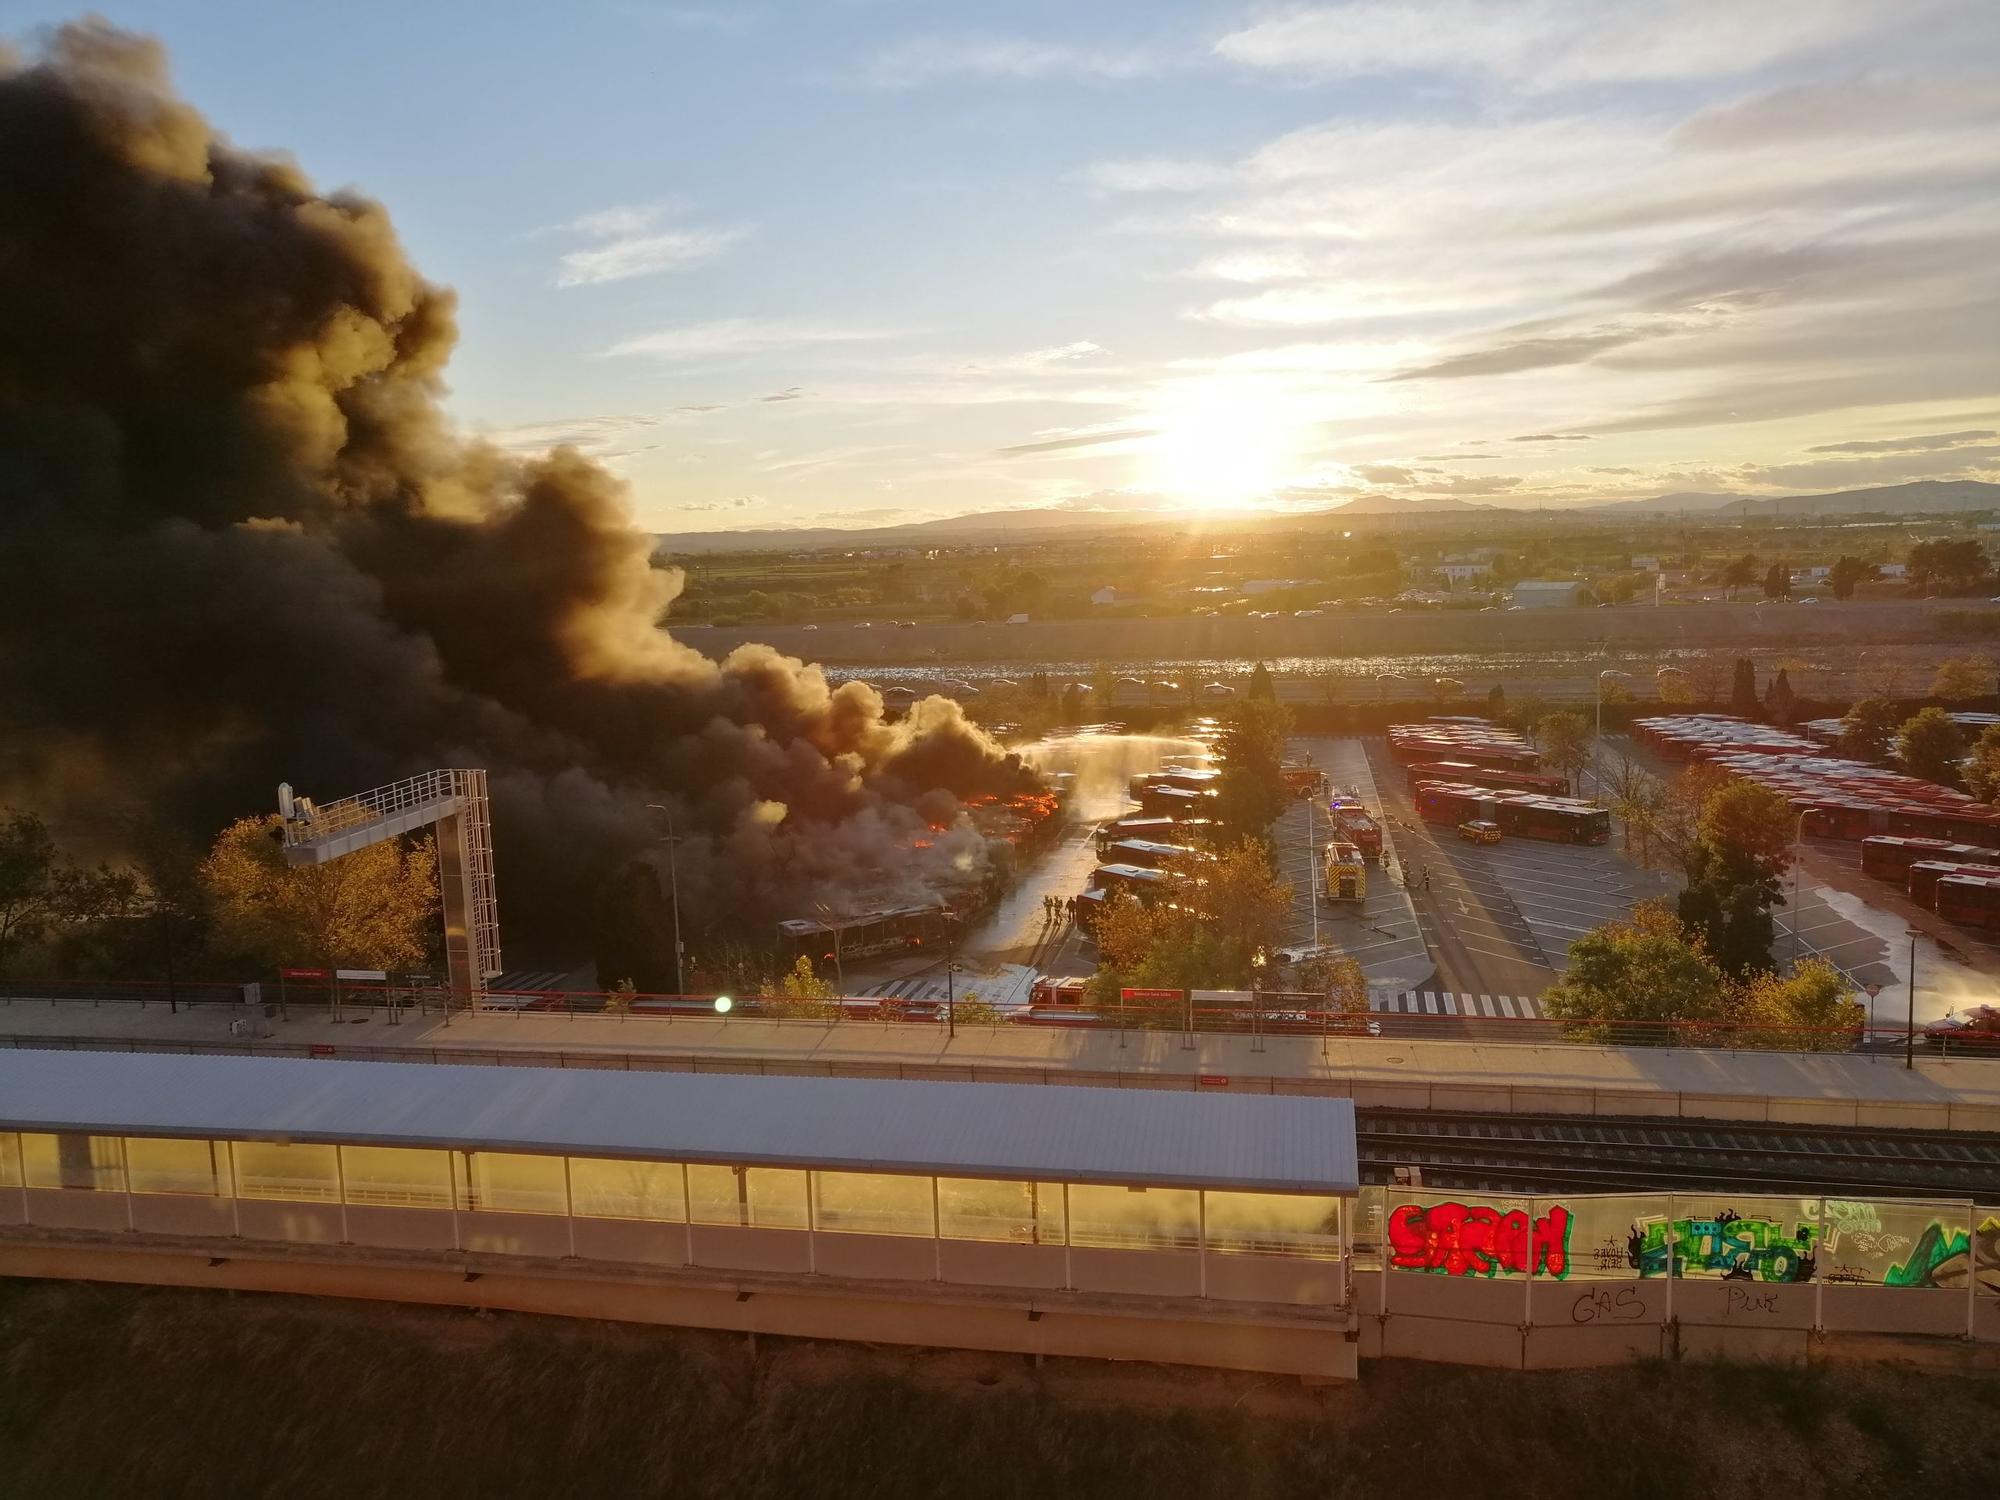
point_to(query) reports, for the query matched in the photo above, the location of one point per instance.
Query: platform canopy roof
(1051, 1133)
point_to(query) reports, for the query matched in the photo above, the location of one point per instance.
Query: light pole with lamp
(1798, 858)
(674, 887)
(1910, 1029)
(1597, 742)
(832, 925)
(1257, 963)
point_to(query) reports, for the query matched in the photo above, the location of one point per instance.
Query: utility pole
(673, 886)
(950, 975)
(1910, 1030)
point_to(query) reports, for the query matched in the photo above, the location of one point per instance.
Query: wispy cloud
(920, 60)
(1068, 441)
(1537, 44)
(742, 336)
(1925, 444)
(631, 243)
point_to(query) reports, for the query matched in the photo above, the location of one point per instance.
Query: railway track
(1552, 1153)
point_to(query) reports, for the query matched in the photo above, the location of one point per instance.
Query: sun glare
(1221, 444)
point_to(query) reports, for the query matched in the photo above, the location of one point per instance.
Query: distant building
(1273, 585)
(1537, 594)
(1105, 595)
(1893, 570)
(1455, 573)
(1646, 564)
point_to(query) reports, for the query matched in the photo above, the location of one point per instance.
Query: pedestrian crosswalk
(918, 988)
(1448, 1003)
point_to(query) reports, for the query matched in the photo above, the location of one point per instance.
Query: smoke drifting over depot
(240, 543)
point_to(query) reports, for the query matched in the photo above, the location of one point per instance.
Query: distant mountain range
(1918, 497)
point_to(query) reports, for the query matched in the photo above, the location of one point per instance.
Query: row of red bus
(1960, 882)
(1562, 820)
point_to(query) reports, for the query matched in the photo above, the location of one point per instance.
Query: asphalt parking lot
(1500, 918)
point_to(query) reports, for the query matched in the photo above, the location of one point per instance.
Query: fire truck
(1344, 874)
(1354, 825)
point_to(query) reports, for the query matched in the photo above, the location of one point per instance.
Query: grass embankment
(109, 1391)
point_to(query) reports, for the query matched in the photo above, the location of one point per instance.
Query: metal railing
(365, 807)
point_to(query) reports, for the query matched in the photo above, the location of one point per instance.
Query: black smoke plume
(239, 543)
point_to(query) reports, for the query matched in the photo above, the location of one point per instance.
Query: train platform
(1873, 1091)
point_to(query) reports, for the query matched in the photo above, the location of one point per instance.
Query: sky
(859, 262)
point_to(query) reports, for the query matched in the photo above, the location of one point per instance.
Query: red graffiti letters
(1474, 1240)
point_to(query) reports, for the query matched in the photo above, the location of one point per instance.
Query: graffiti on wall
(1737, 1247)
(1458, 1239)
(1986, 1254)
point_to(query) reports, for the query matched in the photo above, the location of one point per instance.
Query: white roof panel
(1253, 1142)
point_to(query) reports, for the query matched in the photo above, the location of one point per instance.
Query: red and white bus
(1888, 856)
(1970, 901)
(1922, 881)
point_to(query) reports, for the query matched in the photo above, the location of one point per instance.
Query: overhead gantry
(455, 803)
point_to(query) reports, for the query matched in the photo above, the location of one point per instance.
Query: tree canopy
(1846, 573)
(1780, 702)
(1221, 913)
(1982, 772)
(1565, 741)
(1777, 582)
(1929, 745)
(1868, 730)
(1950, 562)
(1743, 700)
(47, 898)
(1962, 677)
(1261, 688)
(1251, 791)
(376, 908)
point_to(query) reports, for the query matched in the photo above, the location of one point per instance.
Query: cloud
(1468, 484)
(739, 336)
(631, 244)
(1386, 474)
(917, 61)
(789, 393)
(1852, 473)
(1531, 354)
(1075, 440)
(643, 255)
(1538, 45)
(1158, 174)
(598, 435)
(1841, 108)
(1923, 444)
(1552, 437)
(741, 502)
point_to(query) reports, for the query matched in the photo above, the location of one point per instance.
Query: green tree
(1496, 703)
(376, 908)
(1251, 791)
(1743, 690)
(1565, 741)
(799, 994)
(1868, 729)
(969, 1010)
(1951, 564)
(1846, 573)
(1733, 868)
(1338, 978)
(1742, 572)
(1780, 702)
(44, 897)
(1811, 1010)
(1982, 773)
(1929, 745)
(1262, 689)
(1222, 914)
(1962, 677)
(633, 930)
(1648, 968)
(1777, 582)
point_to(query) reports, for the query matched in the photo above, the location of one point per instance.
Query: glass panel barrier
(1273, 1224)
(394, 1176)
(162, 1166)
(608, 1189)
(1464, 1234)
(296, 1173)
(1894, 1242)
(750, 1197)
(1134, 1218)
(1012, 1213)
(10, 1159)
(1986, 1248)
(91, 1163)
(872, 1203)
(1729, 1235)
(504, 1182)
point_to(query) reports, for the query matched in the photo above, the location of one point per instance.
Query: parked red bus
(1970, 900)
(1563, 820)
(1464, 773)
(1922, 881)
(1888, 856)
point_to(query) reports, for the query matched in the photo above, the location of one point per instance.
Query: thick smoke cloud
(240, 543)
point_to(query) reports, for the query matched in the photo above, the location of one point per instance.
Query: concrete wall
(1047, 1323)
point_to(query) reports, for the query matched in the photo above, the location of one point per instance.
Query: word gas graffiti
(1606, 1306)
(1457, 1239)
(1741, 1249)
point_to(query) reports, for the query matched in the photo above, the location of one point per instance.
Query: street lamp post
(1798, 858)
(1910, 1028)
(674, 886)
(833, 927)
(950, 975)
